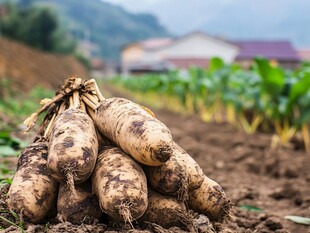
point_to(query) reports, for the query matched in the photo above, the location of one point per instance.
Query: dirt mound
(27, 67)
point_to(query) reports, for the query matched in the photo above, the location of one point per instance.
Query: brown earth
(277, 181)
(27, 67)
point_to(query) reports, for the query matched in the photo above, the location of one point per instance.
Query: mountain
(234, 19)
(106, 25)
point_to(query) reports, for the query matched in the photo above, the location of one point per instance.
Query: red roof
(280, 50)
(184, 63)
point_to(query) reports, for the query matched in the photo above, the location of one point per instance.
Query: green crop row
(266, 97)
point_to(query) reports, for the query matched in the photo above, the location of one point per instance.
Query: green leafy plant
(266, 97)
(16, 107)
(18, 223)
(10, 145)
(251, 208)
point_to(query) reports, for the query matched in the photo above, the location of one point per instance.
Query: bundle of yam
(94, 155)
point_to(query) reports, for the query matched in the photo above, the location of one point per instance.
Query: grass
(15, 107)
(20, 226)
(18, 106)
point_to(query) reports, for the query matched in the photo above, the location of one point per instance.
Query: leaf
(18, 142)
(251, 208)
(300, 88)
(215, 64)
(298, 219)
(5, 171)
(272, 77)
(7, 151)
(5, 135)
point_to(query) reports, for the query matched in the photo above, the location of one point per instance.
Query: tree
(37, 27)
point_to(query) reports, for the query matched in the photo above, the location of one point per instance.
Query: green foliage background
(266, 97)
(38, 27)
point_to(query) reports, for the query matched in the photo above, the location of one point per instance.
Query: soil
(26, 67)
(251, 173)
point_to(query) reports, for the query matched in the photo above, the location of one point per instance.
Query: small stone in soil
(273, 223)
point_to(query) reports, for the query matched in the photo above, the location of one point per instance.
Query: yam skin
(176, 176)
(194, 171)
(120, 185)
(73, 147)
(170, 178)
(33, 191)
(76, 208)
(134, 130)
(167, 211)
(209, 199)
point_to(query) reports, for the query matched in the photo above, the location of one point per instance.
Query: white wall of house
(195, 45)
(132, 54)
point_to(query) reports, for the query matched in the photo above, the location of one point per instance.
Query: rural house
(194, 49)
(197, 48)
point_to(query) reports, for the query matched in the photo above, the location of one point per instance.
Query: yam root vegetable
(33, 191)
(210, 199)
(167, 211)
(194, 171)
(134, 130)
(75, 208)
(170, 178)
(120, 184)
(176, 176)
(73, 147)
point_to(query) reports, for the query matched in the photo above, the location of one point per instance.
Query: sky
(233, 19)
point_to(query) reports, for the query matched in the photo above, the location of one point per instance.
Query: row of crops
(265, 98)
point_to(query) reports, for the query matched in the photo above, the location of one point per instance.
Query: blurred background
(98, 33)
(186, 49)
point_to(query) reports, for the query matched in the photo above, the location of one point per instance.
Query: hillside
(238, 19)
(108, 26)
(27, 67)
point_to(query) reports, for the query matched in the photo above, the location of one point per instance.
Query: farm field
(157, 133)
(265, 98)
(264, 184)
